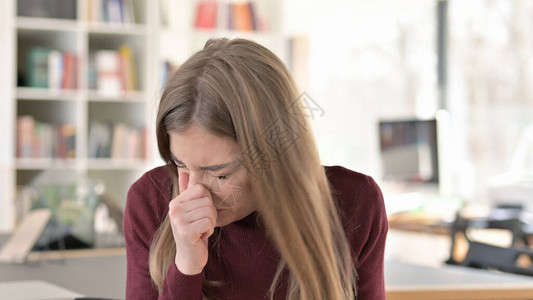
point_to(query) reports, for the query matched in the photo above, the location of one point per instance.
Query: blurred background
(431, 98)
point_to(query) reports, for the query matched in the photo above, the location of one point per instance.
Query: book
(70, 65)
(95, 10)
(113, 11)
(25, 128)
(50, 68)
(99, 140)
(206, 15)
(108, 73)
(36, 139)
(120, 132)
(128, 73)
(116, 141)
(242, 16)
(128, 11)
(55, 69)
(37, 67)
(68, 136)
(254, 22)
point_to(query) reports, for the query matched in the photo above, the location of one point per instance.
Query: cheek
(230, 193)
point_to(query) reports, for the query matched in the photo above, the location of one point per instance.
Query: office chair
(517, 258)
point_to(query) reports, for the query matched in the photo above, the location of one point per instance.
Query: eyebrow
(208, 168)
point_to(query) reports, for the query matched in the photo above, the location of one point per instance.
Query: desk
(413, 282)
(417, 222)
(105, 276)
(35, 290)
(96, 276)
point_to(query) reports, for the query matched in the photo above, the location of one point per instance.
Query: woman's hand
(193, 218)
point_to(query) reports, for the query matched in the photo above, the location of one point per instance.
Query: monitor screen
(409, 151)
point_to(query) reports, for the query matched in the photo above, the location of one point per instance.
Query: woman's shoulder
(346, 181)
(157, 180)
(152, 190)
(356, 194)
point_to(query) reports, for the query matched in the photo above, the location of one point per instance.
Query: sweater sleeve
(142, 217)
(369, 235)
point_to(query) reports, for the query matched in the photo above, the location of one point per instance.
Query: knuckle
(175, 211)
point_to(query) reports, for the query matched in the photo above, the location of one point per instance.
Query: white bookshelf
(79, 106)
(152, 44)
(179, 38)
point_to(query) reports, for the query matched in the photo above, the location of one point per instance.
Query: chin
(222, 221)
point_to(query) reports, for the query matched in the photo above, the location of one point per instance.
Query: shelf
(116, 28)
(47, 24)
(126, 97)
(45, 163)
(28, 93)
(84, 105)
(206, 33)
(115, 164)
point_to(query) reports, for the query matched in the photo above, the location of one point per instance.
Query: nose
(196, 177)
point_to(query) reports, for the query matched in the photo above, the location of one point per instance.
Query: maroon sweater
(247, 260)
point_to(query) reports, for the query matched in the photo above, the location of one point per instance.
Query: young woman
(243, 208)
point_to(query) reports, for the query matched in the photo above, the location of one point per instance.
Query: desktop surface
(102, 274)
(98, 276)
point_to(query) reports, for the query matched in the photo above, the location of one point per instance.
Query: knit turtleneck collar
(253, 219)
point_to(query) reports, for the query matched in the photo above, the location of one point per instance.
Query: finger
(183, 181)
(199, 229)
(192, 204)
(206, 235)
(200, 213)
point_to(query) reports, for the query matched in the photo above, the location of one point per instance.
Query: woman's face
(214, 162)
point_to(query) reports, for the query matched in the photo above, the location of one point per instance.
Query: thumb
(183, 181)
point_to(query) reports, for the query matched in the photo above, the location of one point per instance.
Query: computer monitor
(409, 151)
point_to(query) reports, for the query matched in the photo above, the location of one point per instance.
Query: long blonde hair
(239, 89)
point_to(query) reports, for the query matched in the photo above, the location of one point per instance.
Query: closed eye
(222, 177)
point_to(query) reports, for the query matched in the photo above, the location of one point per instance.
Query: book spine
(37, 67)
(253, 16)
(109, 81)
(242, 17)
(37, 140)
(231, 16)
(128, 11)
(25, 129)
(56, 69)
(128, 73)
(67, 75)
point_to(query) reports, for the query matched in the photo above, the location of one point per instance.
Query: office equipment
(22, 241)
(516, 186)
(516, 257)
(409, 150)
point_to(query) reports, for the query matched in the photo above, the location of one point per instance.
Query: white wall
(367, 61)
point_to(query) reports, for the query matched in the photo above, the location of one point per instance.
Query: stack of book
(111, 11)
(114, 71)
(48, 68)
(116, 141)
(42, 140)
(241, 16)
